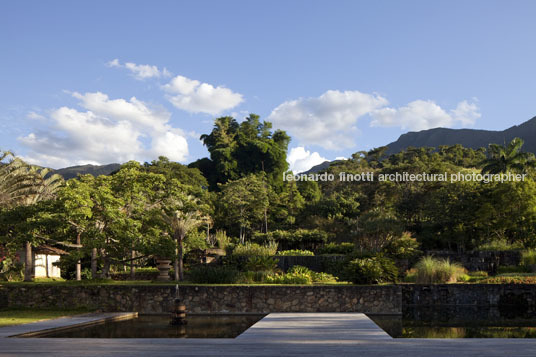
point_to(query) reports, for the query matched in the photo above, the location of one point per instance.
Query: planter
(163, 266)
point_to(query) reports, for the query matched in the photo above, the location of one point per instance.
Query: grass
(430, 270)
(12, 317)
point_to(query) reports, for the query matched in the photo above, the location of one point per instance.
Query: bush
(499, 245)
(436, 271)
(296, 253)
(222, 239)
(254, 249)
(301, 275)
(290, 278)
(403, 247)
(463, 278)
(510, 280)
(478, 274)
(371, 270)
(298, 239)
(11, 270)
(213, 275)
(528, 257)
(261, 263)
(337, 248)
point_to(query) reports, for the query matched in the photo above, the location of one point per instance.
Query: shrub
(222, 239)
(261, 263)
(510, 280)
(478, 274)
(11, 270)
(528, 257)
(323, 278)
(252, 277)
(206, 274)
(337, 248)
(290, 278)
(434, 271)
(298, 239)
(296, 253)
(403, 247)
(463, 278)
(254, 249)
(371, 270)
(499, 245)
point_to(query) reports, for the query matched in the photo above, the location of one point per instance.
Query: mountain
(95, 170)
(470, 138)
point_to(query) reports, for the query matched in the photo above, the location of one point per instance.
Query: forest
(238, 198)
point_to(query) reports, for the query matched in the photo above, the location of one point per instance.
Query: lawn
(23, 316)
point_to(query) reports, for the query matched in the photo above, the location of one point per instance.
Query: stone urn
(163, 266)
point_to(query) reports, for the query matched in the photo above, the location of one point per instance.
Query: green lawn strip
(11, 317)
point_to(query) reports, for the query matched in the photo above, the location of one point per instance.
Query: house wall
(44, 263)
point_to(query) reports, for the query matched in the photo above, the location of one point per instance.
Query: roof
(49, 250)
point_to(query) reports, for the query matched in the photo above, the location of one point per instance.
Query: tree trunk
(94, 263)
(105, 274)
(132, 267)
(79, 262)
(28, 264)
(176, 275)
(181, 258)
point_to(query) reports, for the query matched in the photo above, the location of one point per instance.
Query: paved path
(278, 335)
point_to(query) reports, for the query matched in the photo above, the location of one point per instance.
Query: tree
(237, 150)
(244, 201)
(507, 158)
(181, 213)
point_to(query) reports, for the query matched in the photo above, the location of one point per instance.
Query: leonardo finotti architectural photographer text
(407, 177)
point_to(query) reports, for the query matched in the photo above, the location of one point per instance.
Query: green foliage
(253, 277)
(261, 263)
(403, 247)
(478, 274)
(528, 257)
(195, 240)
(337, 248)
(430, 270)
(371, 270)
(222, 239)
(254, 249)
(463, 278)
(296, 253)
(10, 269)
(499, 245)
(237, 150)
(298, 239)
(290, 278)
(519, 279)
(206, 274)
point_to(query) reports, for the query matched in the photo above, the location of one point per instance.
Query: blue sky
(109, 81)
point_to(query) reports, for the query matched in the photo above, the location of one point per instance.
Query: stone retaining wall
(386, 299)
(214, 299)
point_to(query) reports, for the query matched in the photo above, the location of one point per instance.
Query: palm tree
(15, 180)
(503, 158)
(25, 185)
(181, 219)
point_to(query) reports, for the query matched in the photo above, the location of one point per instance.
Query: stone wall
(213, 299)
(520, 295)
(386, 299)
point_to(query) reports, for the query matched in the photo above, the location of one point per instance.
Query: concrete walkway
(63, 323)
(330, 334)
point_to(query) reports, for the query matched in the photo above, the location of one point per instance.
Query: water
(157, 326)
(459, 322)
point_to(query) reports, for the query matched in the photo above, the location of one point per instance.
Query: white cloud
(421, 114)
(328, 120)
(110, 130)
(301, 160)
(140, 71)
(196, 97)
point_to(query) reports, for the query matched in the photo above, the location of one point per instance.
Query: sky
(97, 82)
